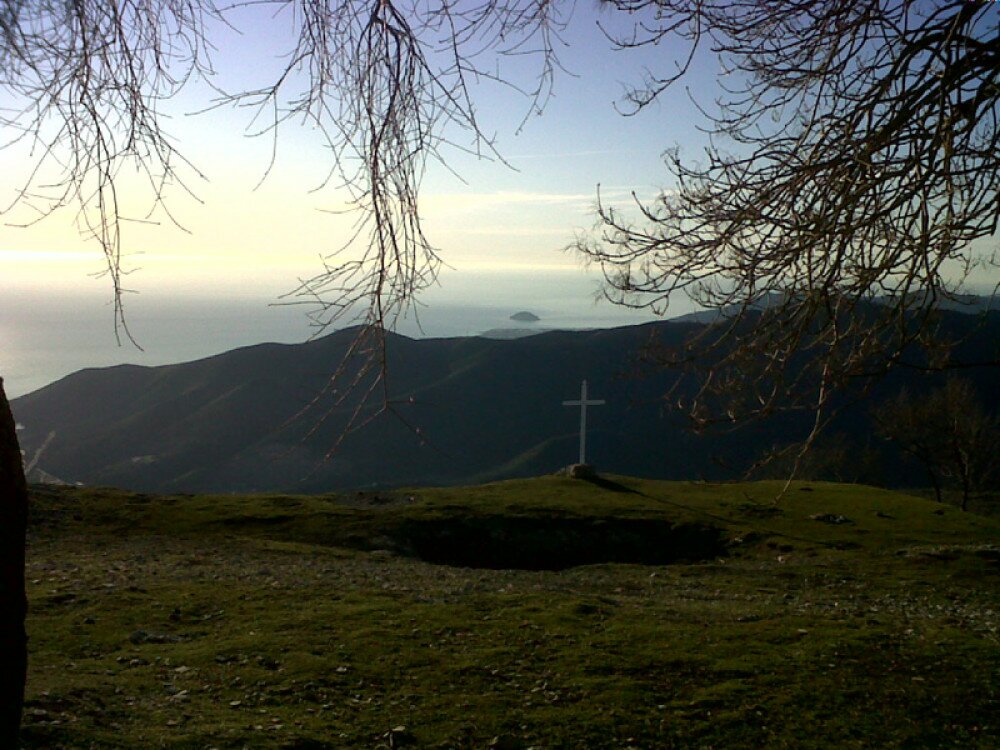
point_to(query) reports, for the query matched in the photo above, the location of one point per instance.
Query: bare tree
(13, 603)
(853, 159)
(387, 84)
(81, 84)
(948, 432)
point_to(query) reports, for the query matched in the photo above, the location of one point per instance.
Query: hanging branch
(85, 80)
(854, 159)
(390, 89)
(388, 86)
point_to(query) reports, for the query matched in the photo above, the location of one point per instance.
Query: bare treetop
(383, 83)
(387, 84)
(84, 83)
(853, 160)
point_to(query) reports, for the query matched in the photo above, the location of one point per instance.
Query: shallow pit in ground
(526, 543)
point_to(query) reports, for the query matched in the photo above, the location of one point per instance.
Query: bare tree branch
(855, 158)
(85, 80)
(389, 86)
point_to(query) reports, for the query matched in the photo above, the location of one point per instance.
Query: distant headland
(525, 317)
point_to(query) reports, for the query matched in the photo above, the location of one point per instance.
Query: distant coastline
(44, 338)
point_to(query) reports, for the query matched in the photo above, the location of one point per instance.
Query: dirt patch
(500, 542)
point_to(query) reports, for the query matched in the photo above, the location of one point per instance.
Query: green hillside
(546, 613)
(263, 418)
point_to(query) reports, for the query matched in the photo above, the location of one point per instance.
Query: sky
(243, 237)
(500, 226)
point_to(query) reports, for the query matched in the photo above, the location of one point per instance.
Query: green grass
(300, 622)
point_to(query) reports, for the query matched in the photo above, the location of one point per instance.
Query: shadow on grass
(608, 484)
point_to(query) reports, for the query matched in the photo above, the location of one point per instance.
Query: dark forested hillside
(472, 409)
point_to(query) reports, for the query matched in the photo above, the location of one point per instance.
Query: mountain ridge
(466, 409)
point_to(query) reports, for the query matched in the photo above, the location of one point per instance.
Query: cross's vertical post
(583, 403)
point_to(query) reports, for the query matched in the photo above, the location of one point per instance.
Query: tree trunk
(965, 466)
(13, 602)
(934, 483)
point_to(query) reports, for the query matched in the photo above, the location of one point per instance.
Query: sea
(44, 337)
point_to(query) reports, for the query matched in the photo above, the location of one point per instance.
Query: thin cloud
(472, 202)
(572, 154)
(523, 231)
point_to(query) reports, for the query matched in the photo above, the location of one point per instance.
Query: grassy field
(546, 613)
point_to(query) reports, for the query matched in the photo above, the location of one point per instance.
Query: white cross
(583, 403)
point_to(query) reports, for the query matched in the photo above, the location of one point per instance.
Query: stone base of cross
(581, 471)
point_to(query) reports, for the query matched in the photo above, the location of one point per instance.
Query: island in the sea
(525, 317)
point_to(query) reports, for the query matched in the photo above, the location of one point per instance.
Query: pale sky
(245, 241)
